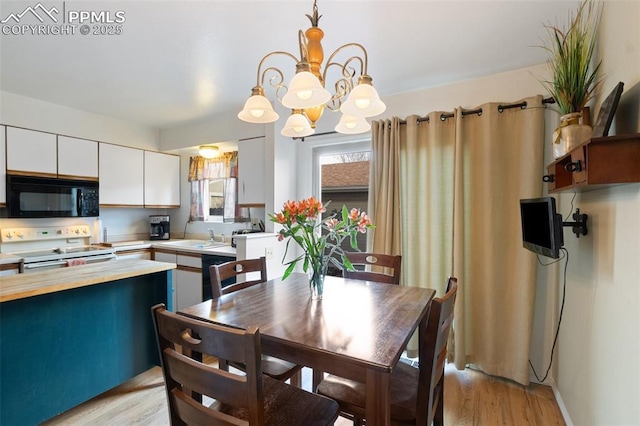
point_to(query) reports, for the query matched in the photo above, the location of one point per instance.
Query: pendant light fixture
(306, 94)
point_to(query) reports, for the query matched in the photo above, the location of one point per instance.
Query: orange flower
(353, 214)
(280, 218)
(290, 207)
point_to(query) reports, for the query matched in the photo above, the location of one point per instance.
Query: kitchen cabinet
(187, 277)
(161, 180)
(77, 158)
(3, 167)
(31, 152)
(251, 173)
(7, 269)
(596, 163)
(121, 176)
(134, 254)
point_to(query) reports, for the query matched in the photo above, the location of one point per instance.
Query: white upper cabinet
(3, 168)
(251, 172)
(161, 180)
(121, 176)
(31, 151)
(77, 158)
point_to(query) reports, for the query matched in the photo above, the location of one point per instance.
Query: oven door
(54, 264)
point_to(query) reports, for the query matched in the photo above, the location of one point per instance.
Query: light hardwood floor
(471, 398)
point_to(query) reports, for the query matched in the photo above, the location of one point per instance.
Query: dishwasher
(207, 261)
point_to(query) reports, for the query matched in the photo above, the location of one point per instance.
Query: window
(213, 188)
(341, 176)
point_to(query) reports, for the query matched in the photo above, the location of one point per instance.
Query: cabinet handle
(548, 178)
(573, 167)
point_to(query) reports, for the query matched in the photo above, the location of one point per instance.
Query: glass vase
(317, 272)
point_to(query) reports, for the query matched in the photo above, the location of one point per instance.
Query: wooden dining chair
(416, 393)
(364, 261)
(249, 399)
(272, 367)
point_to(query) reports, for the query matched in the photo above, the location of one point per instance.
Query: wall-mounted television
(541, 226)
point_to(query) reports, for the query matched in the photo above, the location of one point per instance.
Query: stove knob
(8, 235)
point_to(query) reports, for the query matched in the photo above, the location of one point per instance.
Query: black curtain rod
(444, 116)
(478, 111)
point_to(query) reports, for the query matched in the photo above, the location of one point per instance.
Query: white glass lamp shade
(363, 101)
(305, 91)
(351, 125)
(297, 126)
(208, 151)
(258, 109)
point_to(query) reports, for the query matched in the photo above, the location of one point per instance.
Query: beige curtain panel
(460, 182)
(384, 188)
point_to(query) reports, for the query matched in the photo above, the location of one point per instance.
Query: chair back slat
(433, 350)
(219, 273)
(374, 267)
(196, 414)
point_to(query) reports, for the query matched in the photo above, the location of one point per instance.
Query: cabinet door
(188, 288)
(121, 176)
(3, 167)
(77, 158)
(31, 151)
(251, 172)
(169, 258)
(161, 180)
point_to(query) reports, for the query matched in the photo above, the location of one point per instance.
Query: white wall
(219, 128)
(598, 374)
(20, 111)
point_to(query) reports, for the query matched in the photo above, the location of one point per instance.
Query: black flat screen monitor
(541, 226)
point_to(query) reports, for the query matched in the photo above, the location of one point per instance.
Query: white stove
(53, 247)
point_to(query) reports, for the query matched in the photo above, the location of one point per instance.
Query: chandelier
(306, 94)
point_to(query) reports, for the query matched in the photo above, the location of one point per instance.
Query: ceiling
(181, 61)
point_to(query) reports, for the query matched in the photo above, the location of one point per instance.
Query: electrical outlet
(268, 252)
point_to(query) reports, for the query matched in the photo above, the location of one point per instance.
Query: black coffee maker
(159, 227)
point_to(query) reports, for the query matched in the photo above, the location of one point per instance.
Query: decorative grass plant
(571, 52)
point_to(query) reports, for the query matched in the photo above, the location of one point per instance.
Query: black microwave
(40, 197)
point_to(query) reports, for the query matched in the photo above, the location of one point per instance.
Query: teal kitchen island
(69, 334)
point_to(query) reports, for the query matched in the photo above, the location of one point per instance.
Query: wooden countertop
(21, 286)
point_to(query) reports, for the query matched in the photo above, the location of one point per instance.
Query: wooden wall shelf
(596, 163)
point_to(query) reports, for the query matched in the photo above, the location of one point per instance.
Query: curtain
(460, 181)
(426, 181)
(499, 159)
(201, 170)
(384, 190)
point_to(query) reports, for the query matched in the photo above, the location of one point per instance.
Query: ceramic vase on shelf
(570, 134)
(317, 271)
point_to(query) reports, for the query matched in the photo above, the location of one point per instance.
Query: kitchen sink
(194, 243)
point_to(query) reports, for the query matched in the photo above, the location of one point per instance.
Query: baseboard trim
(556, 394)
(560, 402)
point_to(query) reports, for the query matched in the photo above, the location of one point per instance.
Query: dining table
(357, 330)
